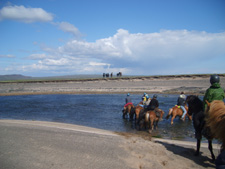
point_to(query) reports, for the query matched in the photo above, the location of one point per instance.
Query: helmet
(154, 96)
(128, 94)
(214, 79)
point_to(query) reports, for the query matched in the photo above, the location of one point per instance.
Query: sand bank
(168, 85)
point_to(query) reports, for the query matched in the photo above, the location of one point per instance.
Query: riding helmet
(154, 96)
(214, 79)
(128, 94)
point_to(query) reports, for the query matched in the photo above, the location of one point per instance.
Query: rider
(144, 97)
(154, 104)
(128, 98)
(147, 102)
(127, 101)
(181, 102)
(214, 92)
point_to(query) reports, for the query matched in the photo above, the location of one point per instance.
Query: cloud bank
(164, 52)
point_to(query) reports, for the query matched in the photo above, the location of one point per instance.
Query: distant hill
(14, 77)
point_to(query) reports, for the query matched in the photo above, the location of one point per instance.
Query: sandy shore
(169, 85)
(58, 145)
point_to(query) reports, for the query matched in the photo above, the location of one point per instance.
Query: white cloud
(23, 14)
(164, 52)
(165, 45)
(67, 27)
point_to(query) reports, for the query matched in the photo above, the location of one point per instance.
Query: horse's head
(195, 105)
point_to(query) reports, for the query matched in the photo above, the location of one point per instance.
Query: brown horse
(129, 109)
(215, 120)
(175, 111)
(152, 120)
(138, 109)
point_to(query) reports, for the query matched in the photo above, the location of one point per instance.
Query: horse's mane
(195, 104)
(216, 120)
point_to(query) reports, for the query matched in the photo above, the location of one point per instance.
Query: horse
(138, 109)
(197, 109)
(152, 119)
(129, 109)
(216, 121)
(175, 111)
(119, 74)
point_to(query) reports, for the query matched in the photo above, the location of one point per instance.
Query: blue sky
(137, 37)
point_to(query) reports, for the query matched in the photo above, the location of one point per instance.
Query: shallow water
(98, 111)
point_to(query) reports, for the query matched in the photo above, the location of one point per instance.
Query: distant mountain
(14, 77)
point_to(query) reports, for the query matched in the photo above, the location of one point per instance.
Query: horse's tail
(169, 114)
(147, 117)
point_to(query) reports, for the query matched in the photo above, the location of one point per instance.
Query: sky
(136, 37)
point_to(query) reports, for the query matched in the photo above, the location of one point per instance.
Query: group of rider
(147, 103)
(214, 92)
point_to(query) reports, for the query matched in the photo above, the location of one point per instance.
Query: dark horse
(195, 107)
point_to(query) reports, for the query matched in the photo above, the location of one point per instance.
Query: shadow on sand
(203, 159)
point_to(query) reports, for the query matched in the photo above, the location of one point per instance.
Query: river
(102, 111)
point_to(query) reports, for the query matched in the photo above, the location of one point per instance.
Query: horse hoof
(213, 158)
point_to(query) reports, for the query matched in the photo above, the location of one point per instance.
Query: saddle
(128, 104)
(177, 106)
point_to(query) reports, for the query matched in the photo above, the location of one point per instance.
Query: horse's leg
(156, 124)
(198, 147)
(131, 116)
(172, 119)
(124, 112)
(170, 112)
(151, 125)
(211, 149)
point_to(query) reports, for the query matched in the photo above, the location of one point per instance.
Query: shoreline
(131, 150)
(196, 85)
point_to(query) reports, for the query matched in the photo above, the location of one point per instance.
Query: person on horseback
(128, 98)
(214, 92)
(128, 107)
(153, 105)
(147, 102)
(127, 101)
(144, 97)
(181, 102)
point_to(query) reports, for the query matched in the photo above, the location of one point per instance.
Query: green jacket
(215, 92)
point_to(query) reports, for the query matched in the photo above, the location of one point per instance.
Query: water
(98, 111)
